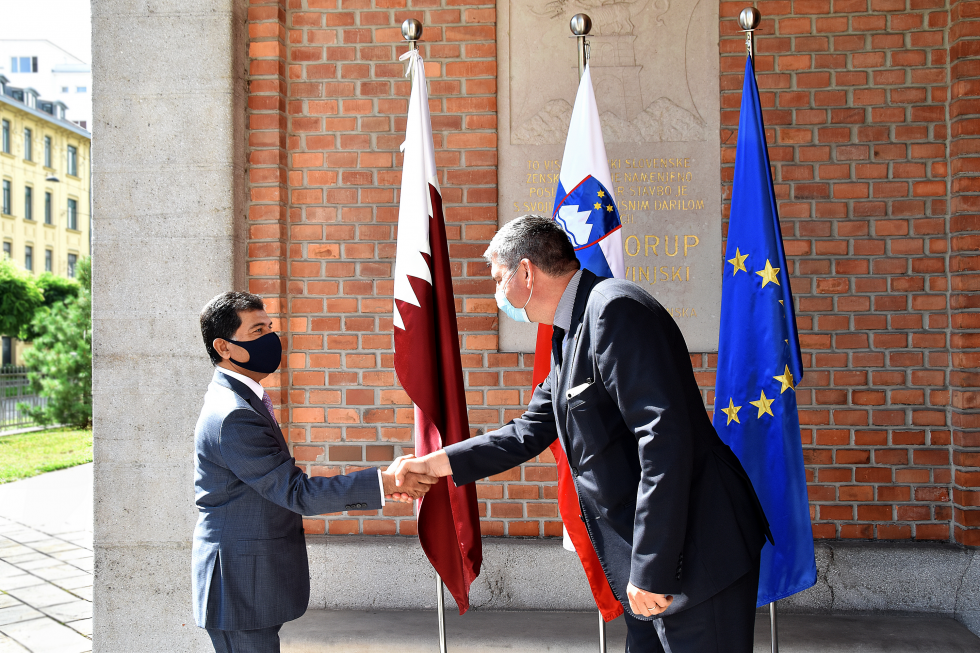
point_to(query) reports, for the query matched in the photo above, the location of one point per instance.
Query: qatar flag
(427, 350)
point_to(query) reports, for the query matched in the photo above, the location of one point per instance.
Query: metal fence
(16, 389)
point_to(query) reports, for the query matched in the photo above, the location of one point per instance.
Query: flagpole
(581, 25)
(749, 21)
(441, 598)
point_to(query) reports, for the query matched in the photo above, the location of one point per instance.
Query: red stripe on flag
(571, 513)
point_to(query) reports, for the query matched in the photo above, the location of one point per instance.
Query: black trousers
(263, 640)
(725, 623)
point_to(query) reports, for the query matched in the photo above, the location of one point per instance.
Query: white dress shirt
(259, 391)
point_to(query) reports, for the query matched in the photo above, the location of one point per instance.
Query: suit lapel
(560, 383)
(246, 393)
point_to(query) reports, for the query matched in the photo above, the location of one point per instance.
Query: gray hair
(539, 239)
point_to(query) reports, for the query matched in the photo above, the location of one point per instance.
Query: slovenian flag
(586, 208)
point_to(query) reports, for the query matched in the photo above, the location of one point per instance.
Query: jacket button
(569, 396)
(575, 472)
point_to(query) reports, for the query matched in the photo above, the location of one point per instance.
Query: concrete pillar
(169, 192)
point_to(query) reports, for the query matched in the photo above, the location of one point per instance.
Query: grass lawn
(30, 454)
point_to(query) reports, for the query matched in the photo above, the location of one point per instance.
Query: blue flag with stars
(759, 362)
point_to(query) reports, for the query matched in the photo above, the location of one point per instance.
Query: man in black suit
(671, 513)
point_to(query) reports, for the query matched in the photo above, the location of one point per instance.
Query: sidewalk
(46, 563)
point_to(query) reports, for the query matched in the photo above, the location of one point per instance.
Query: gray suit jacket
(666, 503)
(249, 554)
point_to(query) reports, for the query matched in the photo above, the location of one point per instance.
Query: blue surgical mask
(511, 311)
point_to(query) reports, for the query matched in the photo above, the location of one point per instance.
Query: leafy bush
(19, 299)
(60, 362)
(57, 290)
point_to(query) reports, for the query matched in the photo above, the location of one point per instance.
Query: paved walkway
(46, 563)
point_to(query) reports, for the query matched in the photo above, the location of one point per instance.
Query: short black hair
(539, 239)
(220, 318)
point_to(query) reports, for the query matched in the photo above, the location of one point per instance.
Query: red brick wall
(964, 263)
(873, 167)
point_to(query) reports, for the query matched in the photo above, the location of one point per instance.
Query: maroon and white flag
(427, 350)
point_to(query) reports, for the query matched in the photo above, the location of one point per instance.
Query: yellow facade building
(45, 216)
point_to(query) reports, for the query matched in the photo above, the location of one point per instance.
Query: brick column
(268, 232)
(964, 265)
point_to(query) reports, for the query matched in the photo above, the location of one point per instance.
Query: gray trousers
(263, 640)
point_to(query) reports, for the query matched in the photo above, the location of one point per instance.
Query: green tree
(57, 290)
(60, 361)
(19, 299)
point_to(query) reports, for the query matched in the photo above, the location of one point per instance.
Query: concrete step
(323, 631)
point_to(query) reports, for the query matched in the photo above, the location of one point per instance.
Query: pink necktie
(267, 401)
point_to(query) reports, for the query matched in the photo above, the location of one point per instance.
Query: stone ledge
(391, 573)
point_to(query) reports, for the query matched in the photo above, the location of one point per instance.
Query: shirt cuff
(381, 484)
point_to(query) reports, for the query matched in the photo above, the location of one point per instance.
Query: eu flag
(759, 363)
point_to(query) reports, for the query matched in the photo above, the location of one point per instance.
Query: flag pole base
(602, 634)
(440, 602)
(773, 629)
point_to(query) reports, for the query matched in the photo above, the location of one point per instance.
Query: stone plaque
(655, 72)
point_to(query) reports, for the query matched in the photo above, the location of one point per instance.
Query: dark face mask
(264, 354)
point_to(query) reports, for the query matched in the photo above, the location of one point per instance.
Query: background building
(45, 219)
(53, 72)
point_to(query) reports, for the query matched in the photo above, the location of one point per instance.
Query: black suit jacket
(666, 503)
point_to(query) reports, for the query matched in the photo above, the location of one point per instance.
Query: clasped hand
(413, 485)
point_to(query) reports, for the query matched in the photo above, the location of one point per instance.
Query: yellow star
(602, 193)
(732, 412)
(597, 206)
(609, 207)
(769, 274)
(763, 405)
(787, 380)
(738, 262)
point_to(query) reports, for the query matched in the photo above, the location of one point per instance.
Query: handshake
(406, 480)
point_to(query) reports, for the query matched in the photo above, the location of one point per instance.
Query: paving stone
(47, 636)
(55, 546)
(41, 563)
(85, 564)
(84, 626)
(56, 573)
(73, 611)
(42, 596)
(83, 592)
(8, 645)
(74, 553)
(30, 556)
(6, 600)
(17, 582)
(7, 570)
(74, 583)
(18, 613)
(25, 535)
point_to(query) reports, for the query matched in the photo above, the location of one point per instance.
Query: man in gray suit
(250, 570)
(672, 515)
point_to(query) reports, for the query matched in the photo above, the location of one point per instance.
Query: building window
(23, 64)
(48, 260)
(7, 249)
(28, 258)
(64, 89)
(47, 151)
(47, 208)
(28, 203)
(73, 160)
(6, 137)
(28, 145)
(7, 357)
(73, 214)
(81, 89)
(6, 197)
(72, 260)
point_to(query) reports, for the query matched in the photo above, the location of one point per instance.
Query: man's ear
(221, 346)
